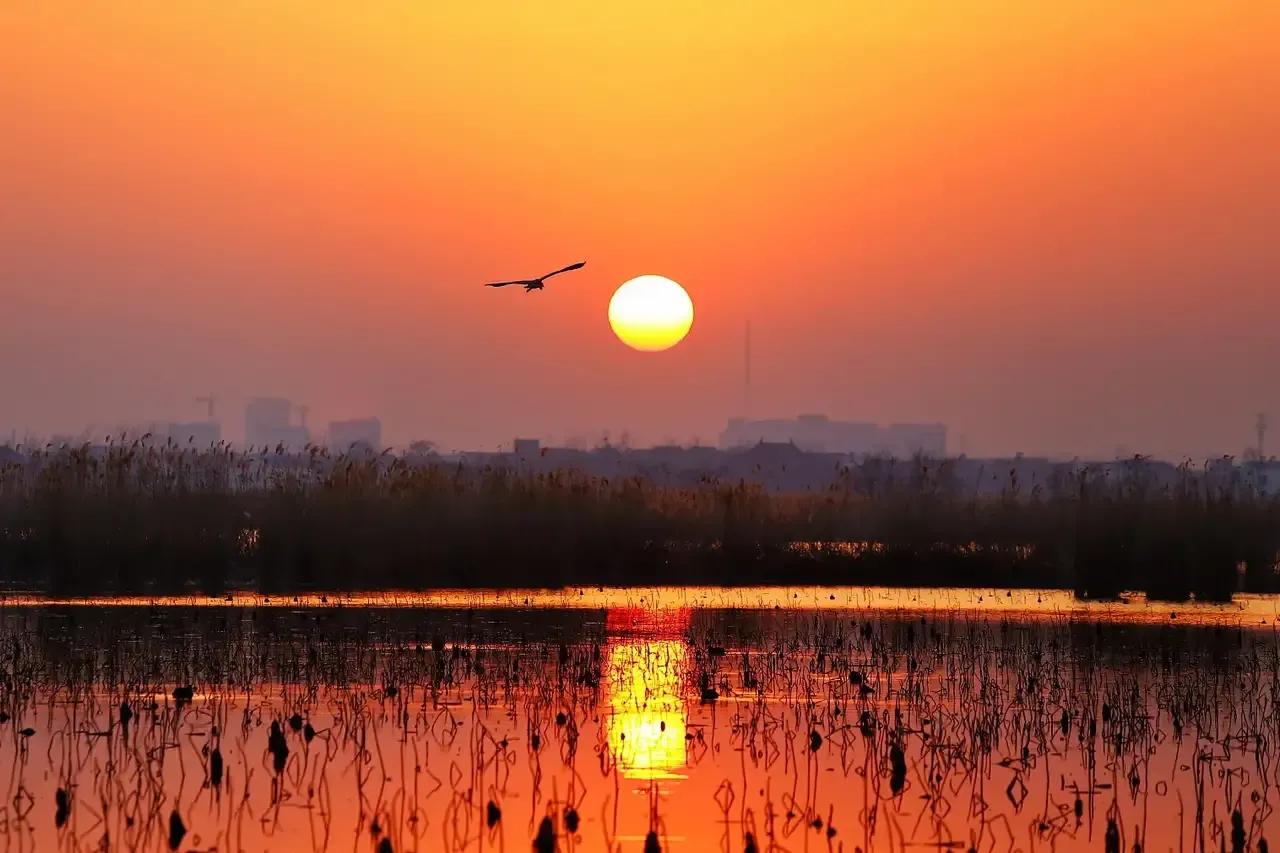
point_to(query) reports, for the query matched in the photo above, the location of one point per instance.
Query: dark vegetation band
(137, 519)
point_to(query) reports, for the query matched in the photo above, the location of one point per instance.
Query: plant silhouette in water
(410, 729)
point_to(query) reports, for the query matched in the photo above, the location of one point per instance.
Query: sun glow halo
(650, 313)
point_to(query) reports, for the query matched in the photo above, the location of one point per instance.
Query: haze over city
(1049, 226)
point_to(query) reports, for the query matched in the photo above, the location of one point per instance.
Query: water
(808, 719)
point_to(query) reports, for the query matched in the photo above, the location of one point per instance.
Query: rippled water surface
(692, 719)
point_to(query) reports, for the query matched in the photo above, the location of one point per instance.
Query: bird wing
(521, 281)
(579, 265)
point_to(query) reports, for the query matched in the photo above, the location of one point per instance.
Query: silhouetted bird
(532, 284)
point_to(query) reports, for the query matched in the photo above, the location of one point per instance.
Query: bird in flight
(532, 284)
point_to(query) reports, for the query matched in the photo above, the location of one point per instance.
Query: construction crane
(209, 402)
(302, 414)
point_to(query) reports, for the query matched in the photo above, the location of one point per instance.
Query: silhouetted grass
(162, 519)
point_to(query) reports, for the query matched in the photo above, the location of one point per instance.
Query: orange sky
(1052, 226)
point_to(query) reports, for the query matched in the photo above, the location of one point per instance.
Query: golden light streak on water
(646, 724)
(1242, 611)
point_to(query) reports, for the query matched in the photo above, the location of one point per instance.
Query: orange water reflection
(789, 760)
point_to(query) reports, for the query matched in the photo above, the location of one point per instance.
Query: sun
(650, 313)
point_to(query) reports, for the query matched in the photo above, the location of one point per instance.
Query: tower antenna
(1261, 426)
(746, 373)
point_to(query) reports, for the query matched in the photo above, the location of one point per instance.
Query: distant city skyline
(280, 420)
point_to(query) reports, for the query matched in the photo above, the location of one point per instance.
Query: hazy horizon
(232, 430)
(1050, 228)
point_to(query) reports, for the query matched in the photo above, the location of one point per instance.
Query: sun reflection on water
(647, 710)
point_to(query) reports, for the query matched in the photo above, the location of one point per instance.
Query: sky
(1051, 226)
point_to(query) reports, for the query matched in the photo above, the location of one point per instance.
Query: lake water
(682, 719)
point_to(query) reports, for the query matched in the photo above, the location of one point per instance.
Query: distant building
(526, 448)
(356, 433)
(905, 440)
(198, 434)
(820, 434)
(267, 425)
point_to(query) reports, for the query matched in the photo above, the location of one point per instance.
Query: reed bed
(135, 518)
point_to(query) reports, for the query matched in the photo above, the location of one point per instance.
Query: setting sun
(650, 313)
